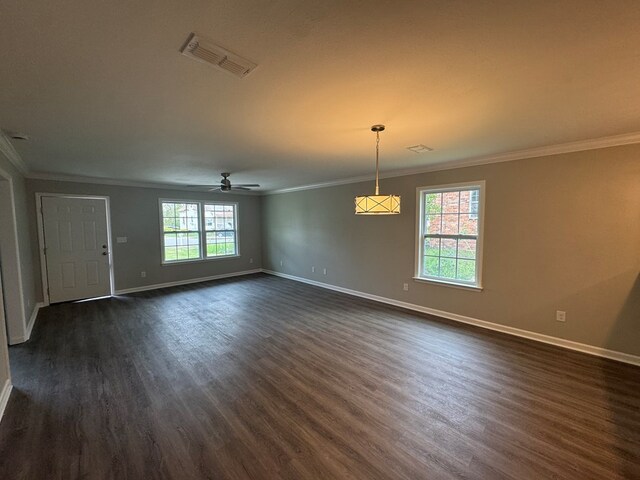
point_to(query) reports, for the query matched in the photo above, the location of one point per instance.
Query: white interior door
(76, 245)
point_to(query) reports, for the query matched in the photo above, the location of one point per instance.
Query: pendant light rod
(377, 129)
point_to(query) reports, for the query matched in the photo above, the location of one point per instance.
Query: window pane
(230, 248)
(432, 246)
(448, 267)
(168, 209)
(466, 249)
(449, 247)
(432, 266)
(217, 249)
(192, 210)
(192, 223)
(170, 254)
(432, 224)
(182, 239)
(193, 238)
(433, 203)
(450, 202)
(464, 201)
(450, 224)
(193, 251)
(466, 270)
(170, 240)
(468, 225)
(170, 224)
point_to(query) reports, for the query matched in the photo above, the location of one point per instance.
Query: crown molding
(571, 147)
(604, 142)
(6, 148)
(54, 177)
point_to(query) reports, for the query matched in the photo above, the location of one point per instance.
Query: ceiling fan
(225, 185)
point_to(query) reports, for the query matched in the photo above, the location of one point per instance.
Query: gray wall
(561, 233)
(134, 214)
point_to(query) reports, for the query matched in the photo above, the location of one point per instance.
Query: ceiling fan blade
(233, 187)
(215, 189)
(201, 186)
(246, 185)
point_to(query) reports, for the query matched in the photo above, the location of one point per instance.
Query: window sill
(198, 260)
(443, 283)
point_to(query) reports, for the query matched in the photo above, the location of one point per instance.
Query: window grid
(181, 231)
(187, 235)
(224, 240)
(451, 263)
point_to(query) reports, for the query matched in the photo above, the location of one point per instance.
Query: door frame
(16, 319)
(43, 260)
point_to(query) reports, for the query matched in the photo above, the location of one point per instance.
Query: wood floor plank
(264, 378)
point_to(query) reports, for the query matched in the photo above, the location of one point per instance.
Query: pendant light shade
(377, 204)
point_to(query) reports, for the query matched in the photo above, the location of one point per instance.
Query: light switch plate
(121, 239)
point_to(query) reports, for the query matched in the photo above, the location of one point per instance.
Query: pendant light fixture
(377, 204)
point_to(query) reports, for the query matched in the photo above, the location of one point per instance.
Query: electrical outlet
(405, 287)
(324, 271)
(561, 316)
(251, 260)
(143, 274)
(313, 269)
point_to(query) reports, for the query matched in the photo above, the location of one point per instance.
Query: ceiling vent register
(203, 51)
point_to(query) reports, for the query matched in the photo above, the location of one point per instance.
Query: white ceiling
(102, 90)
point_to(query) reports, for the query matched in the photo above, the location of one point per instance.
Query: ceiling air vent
(420, 149)
(206, 52)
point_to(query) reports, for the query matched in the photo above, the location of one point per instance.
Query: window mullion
(203, 233)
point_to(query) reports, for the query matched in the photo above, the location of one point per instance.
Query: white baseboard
(32, 320)
(186, 282)
(4, 396)
(560, 342)
(30, 324)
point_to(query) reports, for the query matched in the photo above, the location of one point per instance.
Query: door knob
(104, 246)
(105, 253)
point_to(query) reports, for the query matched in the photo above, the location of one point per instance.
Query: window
(185, 237)
(450, 234)
(220, 228)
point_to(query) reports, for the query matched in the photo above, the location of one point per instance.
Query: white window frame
(420, 193)
(203, 231)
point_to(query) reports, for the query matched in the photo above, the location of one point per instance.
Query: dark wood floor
(264, 378)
